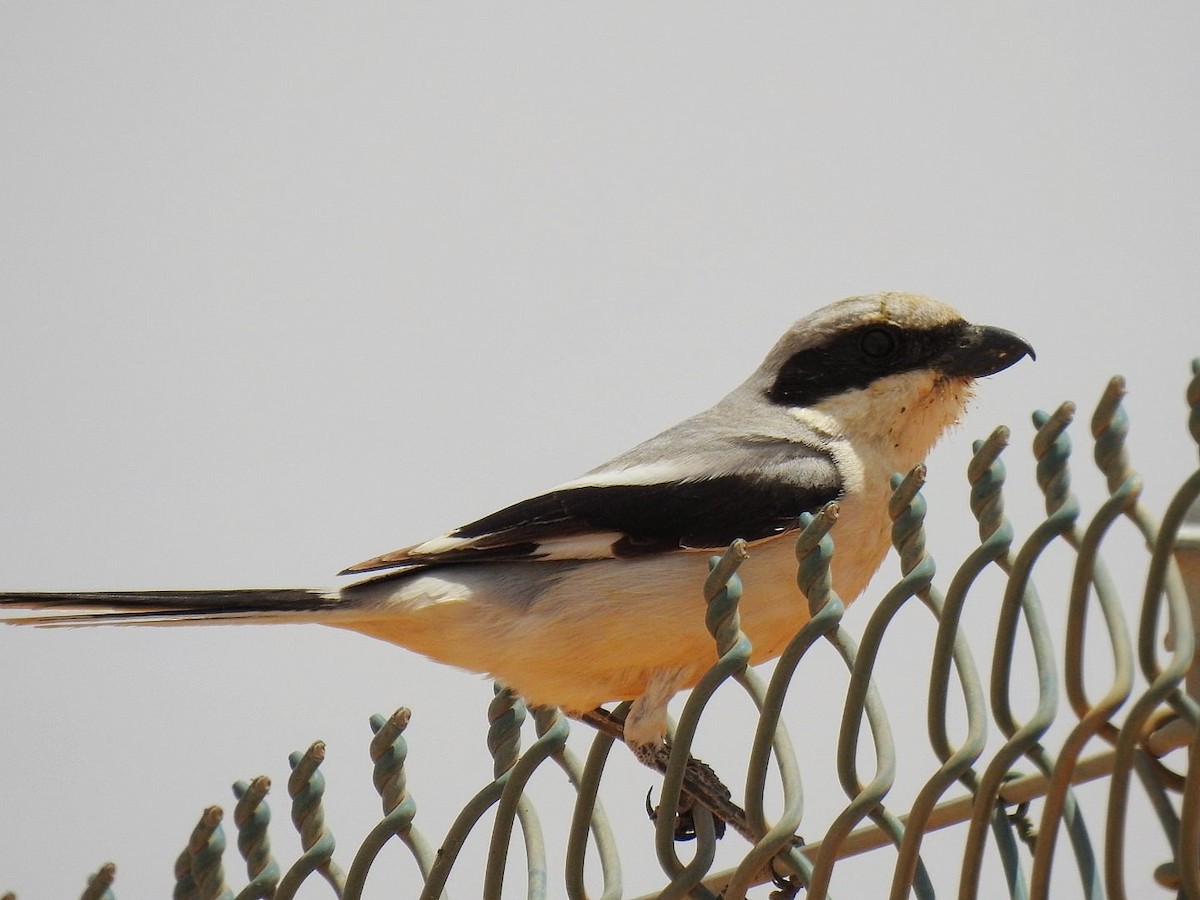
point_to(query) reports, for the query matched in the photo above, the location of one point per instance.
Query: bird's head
(892, 369)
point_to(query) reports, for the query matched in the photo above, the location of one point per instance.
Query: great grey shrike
(591, 592)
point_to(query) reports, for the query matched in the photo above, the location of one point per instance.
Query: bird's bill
(982, 350)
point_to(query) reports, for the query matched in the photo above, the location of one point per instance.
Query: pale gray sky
(288, 285)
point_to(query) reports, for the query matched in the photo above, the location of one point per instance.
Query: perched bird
(591, 592)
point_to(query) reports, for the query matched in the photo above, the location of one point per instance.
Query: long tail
(163, 607)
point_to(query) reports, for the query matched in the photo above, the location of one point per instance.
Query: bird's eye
(879, 343)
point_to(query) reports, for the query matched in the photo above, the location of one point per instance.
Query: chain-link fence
(1129, 682)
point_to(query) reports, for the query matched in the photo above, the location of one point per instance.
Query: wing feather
(608, 519)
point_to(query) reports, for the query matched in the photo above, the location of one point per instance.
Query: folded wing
(609, 514)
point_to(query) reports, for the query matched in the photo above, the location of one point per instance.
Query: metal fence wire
(1011, 795)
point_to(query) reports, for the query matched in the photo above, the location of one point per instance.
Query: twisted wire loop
(512, 771)
(814, 553)
(552, 730)
(777, 843)
(862, 699)
(1052, 448)
(99, 886)
(506, 714)
(1110, 426)
(778, 848)
(251, 817)
(1165, 682)
(306, 787)
(1094, 716)
(722, 591)
(199, 874)
(389, 751)
(588, 817)
(986, 475)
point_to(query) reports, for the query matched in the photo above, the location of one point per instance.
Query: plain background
(285, 286)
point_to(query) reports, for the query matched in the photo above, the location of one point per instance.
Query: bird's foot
(701, 787)
(700, 783)
(699, 780)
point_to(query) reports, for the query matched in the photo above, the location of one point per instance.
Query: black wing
(591, 521)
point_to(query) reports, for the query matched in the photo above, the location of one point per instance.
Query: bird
(589, 593)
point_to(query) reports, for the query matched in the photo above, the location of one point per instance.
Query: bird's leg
(700, 782)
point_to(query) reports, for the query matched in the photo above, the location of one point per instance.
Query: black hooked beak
(980, 350)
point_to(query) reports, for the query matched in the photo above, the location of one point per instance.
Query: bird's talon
(685, 822)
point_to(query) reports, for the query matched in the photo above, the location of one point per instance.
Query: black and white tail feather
(250, 605)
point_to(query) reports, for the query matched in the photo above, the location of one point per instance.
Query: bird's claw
(697, 773)
(685, 819)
